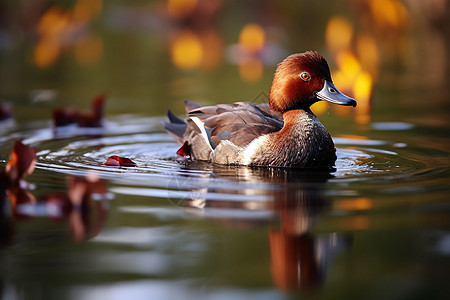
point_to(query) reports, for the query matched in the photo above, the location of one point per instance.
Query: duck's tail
(193, 135)
(175, 127)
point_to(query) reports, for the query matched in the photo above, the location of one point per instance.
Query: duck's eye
(305, 76)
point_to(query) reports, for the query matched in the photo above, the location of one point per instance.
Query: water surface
(180, 228)
(375, 227)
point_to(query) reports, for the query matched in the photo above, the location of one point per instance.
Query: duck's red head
(301, 80)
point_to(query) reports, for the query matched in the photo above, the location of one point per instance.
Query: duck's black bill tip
(352, 103)
(331, 94)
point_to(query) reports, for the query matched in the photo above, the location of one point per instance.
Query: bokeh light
(186, 50)
(251, 70)
(252, 37)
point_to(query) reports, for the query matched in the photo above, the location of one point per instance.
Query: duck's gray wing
(239, 123)
(205, 127)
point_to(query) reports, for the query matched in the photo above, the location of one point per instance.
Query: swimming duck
(283, 133)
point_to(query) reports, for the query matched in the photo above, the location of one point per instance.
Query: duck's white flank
(246, 156)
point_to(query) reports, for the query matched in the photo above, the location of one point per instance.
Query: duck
(281, 133)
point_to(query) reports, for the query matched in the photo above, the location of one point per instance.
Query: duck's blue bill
(331, 94)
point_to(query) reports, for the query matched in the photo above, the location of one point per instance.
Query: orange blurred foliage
(356, 70)
(59, 29)
(338, 34)
(181, 8)
(388, 13)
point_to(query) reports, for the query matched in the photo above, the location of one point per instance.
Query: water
(375, 226)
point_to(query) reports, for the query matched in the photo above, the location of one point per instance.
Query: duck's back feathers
(189, 105)
(239, 123)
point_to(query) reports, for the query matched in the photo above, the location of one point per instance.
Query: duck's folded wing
(239, 123)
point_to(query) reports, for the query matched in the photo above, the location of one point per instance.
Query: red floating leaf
(22, 162)
(119, 161)
(63, 117)
(185, 150)
(93, 118)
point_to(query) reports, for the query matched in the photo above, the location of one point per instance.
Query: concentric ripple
(160, 173)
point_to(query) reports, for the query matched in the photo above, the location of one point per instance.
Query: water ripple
(160, 173)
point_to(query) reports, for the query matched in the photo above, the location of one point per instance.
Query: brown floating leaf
(62, 117)
(119, 161)
(93, 118)
(22, 162)
(6, 111)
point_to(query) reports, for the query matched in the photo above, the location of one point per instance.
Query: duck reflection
(299, 259)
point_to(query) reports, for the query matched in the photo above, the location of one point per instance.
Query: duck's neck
(298, 121)
(305, 140)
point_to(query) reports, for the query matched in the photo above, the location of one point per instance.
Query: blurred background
(148, 56)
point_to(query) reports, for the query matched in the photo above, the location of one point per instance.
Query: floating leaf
(67, 116)
(22, 162)
(119, 161)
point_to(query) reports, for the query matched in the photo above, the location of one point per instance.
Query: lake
(374, 227)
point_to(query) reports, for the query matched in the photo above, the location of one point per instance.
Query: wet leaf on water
(119, 161)
(67, 116)
(21, 163)
(63, 117)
